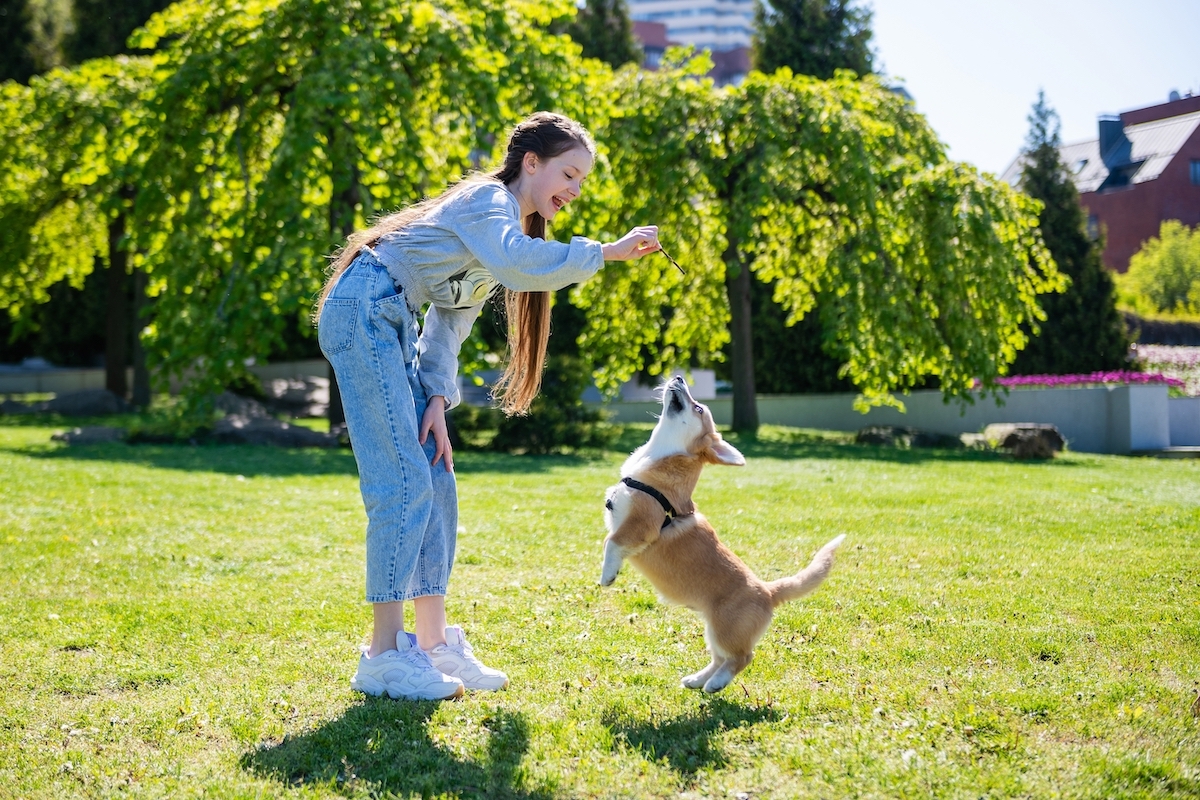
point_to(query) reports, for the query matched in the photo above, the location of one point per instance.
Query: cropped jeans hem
(408, 596)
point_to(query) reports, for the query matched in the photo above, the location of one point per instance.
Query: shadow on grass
(795, 444)
(264, 460)
(685, 742)
(384, 746)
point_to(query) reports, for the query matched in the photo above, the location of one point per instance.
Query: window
(1093, 227)
(1196, 171)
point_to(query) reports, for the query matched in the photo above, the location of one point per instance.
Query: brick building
(1142, 169)
(723, 27)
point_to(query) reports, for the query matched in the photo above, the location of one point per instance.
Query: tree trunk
(116, 346)
(337, 414)
(737, 284)
(342, 211)
(141, 375)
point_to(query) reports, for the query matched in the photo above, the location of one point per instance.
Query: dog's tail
(807, 579)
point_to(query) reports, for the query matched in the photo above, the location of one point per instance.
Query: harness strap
(668, 509)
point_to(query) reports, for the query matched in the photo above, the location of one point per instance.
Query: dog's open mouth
(677, 397)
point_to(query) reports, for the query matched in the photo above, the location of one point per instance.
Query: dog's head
(686, 426)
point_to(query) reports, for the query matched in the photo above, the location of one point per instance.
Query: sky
(974, 67)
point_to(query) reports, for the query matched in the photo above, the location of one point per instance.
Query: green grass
(183, 621)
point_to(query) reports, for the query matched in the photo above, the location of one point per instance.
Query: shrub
(1164, 276)
(558, 419)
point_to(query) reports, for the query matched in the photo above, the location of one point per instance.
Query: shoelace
(466, 652)
(417, 657)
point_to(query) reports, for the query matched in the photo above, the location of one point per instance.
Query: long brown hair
(546, 135)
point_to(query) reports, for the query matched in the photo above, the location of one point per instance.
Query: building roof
(1152, 146)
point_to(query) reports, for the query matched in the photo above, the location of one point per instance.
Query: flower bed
(1090, 379)
(1179, 363)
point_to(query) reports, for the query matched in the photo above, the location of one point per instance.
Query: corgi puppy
(653, 523)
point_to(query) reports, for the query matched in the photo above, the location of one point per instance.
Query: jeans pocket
(335, 331)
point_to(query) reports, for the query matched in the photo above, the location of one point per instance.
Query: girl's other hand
(638, 242)
(435, 420)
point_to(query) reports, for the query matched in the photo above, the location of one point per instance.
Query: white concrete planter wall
(1184, 414)
(1099, 419)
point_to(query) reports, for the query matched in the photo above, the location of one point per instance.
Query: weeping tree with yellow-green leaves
(835, 187)
(69, 150)
(272, 129)
(283, 126)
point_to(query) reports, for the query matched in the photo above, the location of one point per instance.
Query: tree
(16, 58)
(818, 38)
(604, 31)
(1083, 331)
(102, 27)
(71, 157)
(812, 37)
(824, 187)
(72, 32)
(282, 126)
(270, 130)
(1164, 276)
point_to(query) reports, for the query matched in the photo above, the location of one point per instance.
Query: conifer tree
(1083, 331)
(812, 37)
(102, 27)
(16, 60)
(604, 30)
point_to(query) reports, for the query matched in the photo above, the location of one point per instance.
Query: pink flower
(1090, 379)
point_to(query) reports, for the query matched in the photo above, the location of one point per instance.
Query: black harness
(668, 509)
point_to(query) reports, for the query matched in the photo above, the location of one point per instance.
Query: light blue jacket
(457, 255)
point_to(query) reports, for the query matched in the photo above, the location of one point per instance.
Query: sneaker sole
(368, 685)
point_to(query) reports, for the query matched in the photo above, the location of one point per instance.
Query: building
(716, 25)
(1142, 168)
(723, 27)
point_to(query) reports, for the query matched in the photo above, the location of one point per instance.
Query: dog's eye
(699, 409)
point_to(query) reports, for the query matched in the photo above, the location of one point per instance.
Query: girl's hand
(635, 244)
(435, 421)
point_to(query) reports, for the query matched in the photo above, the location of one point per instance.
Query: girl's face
(547, 186)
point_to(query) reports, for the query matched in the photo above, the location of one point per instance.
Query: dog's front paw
(612, 563)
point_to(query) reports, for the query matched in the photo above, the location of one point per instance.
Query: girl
(397, 380)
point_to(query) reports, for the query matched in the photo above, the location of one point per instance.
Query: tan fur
(685, 561)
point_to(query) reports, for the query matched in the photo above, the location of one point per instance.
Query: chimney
(1114, 146)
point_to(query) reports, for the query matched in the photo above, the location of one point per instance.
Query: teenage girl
(397, 379)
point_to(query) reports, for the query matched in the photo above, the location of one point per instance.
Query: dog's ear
(722, 452)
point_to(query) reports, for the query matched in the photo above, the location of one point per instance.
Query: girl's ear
(725, 453)
(529, 161)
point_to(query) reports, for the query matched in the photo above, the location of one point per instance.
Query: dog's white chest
(617, 503)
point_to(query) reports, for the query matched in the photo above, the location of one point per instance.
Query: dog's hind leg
(698, 679)
(695, 681)
(722, 676)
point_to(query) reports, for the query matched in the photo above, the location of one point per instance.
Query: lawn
(183, 621)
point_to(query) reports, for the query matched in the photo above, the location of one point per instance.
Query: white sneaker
(404, 673)
(456, 658)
